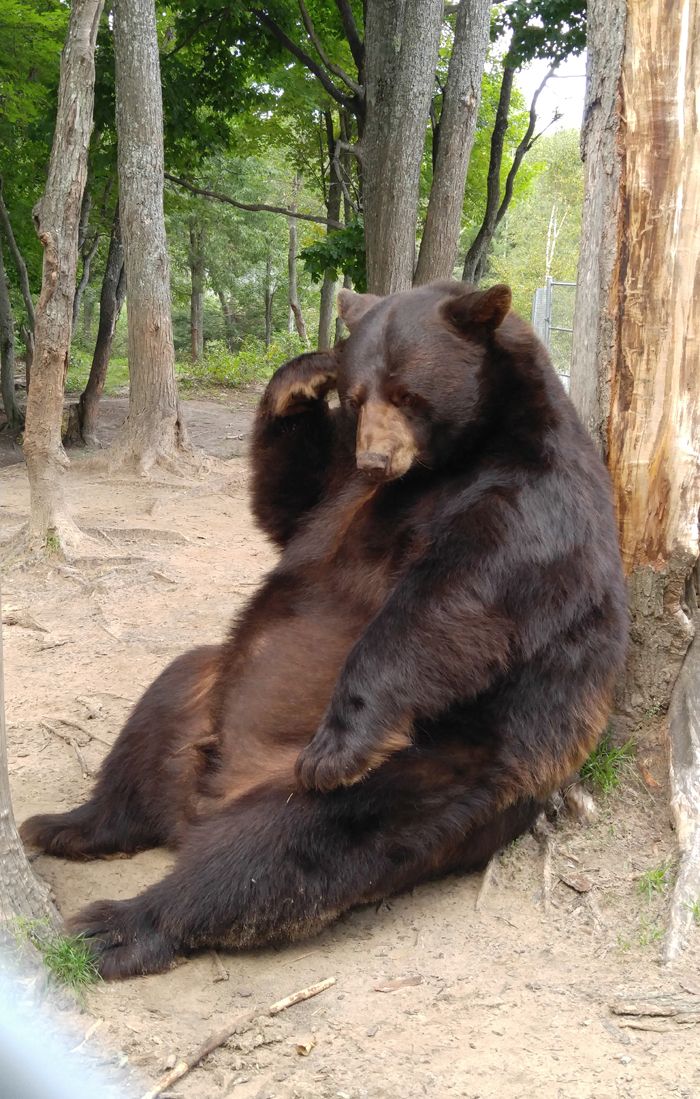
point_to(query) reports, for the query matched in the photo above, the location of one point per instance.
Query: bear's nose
(369, 461)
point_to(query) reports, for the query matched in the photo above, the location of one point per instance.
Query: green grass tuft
(67, 957)
(655, 881)
(607, 763)
(695, 911)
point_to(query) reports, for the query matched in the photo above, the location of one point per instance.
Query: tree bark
(13, 413)
(87, 247)
(21, 894)
(333, 200)
(196, 261)
(296, 318)
(635, 375)
(153, 431)
(56, 217)
(111, 300)
(401, 51)
(460, 108)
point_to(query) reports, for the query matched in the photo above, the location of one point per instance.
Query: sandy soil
(507, 1000)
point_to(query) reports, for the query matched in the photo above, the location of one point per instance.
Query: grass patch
(655, 882)
(650, 933)
(67, 957)
(220, 368)
(694, 909)
(607, 764)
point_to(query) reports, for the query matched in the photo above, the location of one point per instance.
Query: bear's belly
(276, 702)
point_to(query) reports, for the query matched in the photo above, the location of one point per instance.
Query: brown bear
(432, 656)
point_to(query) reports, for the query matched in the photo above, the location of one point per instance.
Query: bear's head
(412, 371)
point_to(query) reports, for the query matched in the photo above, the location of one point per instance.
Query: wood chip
(400, 982)
(578, 882)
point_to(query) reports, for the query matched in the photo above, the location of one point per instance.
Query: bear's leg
(150, 777)
(269, 869)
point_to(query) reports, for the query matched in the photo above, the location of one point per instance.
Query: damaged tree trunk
(634, 376)
(153, 431)
(56, 217)
(7, 352)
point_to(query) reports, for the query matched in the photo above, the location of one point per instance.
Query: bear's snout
(386, 446)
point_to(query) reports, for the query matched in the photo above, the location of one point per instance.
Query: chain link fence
(553, 320)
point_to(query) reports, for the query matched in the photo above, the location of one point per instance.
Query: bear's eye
(405, 400)
(351, 403)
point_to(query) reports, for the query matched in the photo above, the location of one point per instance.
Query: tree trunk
(86, 249)
(460, 108)
(227, 312)
(56, 217)
(333, 200)
(7, 352)
(88, 257)
(21, 894)
(269, 295)
(18, 260)
(111, 300)
(196, 262)
(153, 430)
(401, 51)
(295, 314)
(482, 241)
(634, 375)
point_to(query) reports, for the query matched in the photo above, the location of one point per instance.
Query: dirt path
(508, 1001)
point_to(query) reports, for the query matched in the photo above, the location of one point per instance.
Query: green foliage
(549, 30)
(655, 882)
(341, 252)
(67, 957)
(607, 763)
(649, 933)
(220, 368)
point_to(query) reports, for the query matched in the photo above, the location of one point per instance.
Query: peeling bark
(635, 374)
(56, 218)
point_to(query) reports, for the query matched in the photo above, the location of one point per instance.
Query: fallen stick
(87, 773)
(214, 1041)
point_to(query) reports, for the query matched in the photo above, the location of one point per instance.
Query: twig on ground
(543, 835)
(87, 773)
(181, 1068)
(221, 972)
(486, 883)
(87, 732)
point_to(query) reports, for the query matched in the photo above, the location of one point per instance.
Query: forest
(189, 192)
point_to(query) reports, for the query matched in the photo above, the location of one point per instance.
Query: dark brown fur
(431, 657)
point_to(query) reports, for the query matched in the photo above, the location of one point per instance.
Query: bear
(431, 657)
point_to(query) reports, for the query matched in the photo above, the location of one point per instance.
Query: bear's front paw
(326, 763)
(298, 383)
(122, 939)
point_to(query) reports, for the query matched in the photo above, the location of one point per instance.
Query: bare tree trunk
(296, 316)
(21, 267)
(153, 430)
(87, 247)
(333, 200)
(227, 312)
(56, 217)
(21, 894)
(460, 108)
(269, 292)
(111, 300)
(635, 375)
(7, 352)
(401, 51)
(196, 262)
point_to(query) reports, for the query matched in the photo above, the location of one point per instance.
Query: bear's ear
(352, 307)
(488, 307)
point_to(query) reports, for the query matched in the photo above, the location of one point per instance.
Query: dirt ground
(434, 996)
